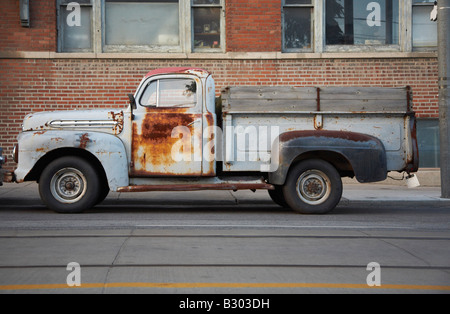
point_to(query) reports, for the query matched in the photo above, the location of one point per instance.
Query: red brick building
(58, 54)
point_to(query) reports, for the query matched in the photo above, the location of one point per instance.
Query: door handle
(195, 121)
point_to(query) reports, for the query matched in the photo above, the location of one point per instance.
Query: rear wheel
(69, 185)
(313, 187)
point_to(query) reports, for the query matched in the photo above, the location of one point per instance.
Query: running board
(197, 187)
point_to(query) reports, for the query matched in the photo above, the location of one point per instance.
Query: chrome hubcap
(68, 185)
(313, 187)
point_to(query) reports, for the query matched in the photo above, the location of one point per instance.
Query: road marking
(271, 226)
(221, 285)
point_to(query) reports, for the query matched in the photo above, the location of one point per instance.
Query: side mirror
(132, 101)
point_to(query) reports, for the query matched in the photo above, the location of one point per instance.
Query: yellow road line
(221, 285)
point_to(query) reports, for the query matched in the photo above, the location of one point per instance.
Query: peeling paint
(84, 140)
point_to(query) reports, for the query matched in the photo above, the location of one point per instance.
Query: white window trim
(143, 48)
(98, 33)
(314, 32)
(410, 4)
(190, 27)
(362, 48)
(404, 48)
(62, 5)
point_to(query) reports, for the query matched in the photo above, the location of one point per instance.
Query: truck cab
(172, 111)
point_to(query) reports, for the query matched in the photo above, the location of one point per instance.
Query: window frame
(411, 27)
(142, 48)
(368, 48)
(221, 27)
(98, 32)
(312, 6)
(62, 5)
(157, 80)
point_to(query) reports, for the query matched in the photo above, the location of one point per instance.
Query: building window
(424, 30)
(298, 25)
(136, 25)
(207, 24)
(75, 26)
(428, 140)
(362, 22)
(141, 25)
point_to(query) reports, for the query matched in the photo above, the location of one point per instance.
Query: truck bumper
(5, 176)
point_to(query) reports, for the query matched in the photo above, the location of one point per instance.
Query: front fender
(107, 148)
(366, 154)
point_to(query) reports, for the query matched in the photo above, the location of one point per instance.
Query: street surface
(228, 243)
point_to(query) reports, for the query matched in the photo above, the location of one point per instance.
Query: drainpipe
(444, 96)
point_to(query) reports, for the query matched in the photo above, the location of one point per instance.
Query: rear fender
(365, 154)
(107, 148)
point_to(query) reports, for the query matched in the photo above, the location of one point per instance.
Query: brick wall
(30, 85)
(41, 36)
(253, 25)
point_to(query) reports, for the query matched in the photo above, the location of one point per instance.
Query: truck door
(167, 128)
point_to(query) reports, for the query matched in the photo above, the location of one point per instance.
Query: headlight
(16, 154)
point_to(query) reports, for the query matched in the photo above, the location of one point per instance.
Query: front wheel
(69, 185)
(277, 196)
(313, 187)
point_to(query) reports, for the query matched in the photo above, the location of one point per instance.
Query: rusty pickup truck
(176, 135)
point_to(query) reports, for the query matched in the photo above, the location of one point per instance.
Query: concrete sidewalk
(361, 194)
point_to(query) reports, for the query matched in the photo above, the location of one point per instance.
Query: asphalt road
(223, 243)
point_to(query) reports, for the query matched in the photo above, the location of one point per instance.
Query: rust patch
(152, 143)
(84, 140)
(413, 158)
(197, 187)
(350, 136)
(118, 118)
(318, 99)
(318, 122)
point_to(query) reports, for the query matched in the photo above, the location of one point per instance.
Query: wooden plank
(304, 99)
(352, 93)
(278, 105)
(371, 105)
(259, 92)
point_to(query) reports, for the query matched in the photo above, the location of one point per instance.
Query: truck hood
(106, 121)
